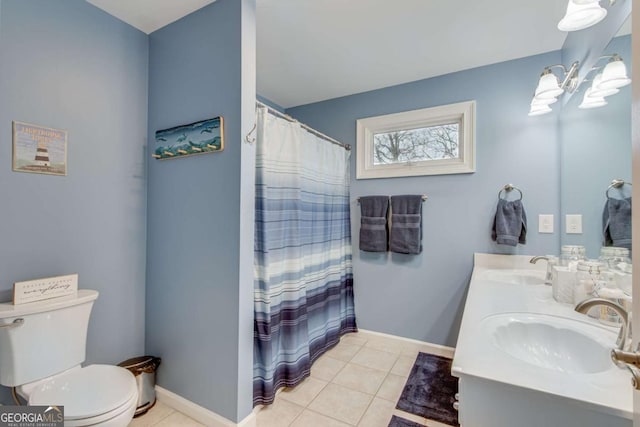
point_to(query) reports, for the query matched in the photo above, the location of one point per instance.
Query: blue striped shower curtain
(303, 276)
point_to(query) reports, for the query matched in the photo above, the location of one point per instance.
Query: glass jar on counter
(589, 276)
(571, 255)
(619, 262)
(594, 279)
(551, 262)
(616, 258)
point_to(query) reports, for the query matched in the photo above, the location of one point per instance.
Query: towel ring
(617, 184)
(510, 187)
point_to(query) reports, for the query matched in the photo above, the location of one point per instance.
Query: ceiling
(149, 15)
(313, 50)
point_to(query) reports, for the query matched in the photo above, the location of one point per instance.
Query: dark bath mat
(401, 422)
(430, 390)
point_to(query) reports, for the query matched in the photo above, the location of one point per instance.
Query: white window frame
(462, 113)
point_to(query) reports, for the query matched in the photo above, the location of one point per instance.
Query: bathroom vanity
(525, 360)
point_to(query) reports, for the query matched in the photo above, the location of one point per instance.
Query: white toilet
(42, 345)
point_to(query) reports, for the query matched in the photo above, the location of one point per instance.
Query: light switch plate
(545, 223)
(574, 224)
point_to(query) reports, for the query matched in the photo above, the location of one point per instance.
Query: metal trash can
(144, 369)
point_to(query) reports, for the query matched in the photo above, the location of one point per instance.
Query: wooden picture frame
(39, 149)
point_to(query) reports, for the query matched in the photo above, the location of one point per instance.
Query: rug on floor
(401, 422)
(430, 390)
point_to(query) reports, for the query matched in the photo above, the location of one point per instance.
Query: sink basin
(551, 342)
(519, 277)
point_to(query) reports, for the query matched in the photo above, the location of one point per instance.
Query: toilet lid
(87, 392)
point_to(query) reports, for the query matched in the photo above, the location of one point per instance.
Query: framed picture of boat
(39, 149)
(206, 136)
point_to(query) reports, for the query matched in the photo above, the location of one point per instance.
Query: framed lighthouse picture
(39, 149)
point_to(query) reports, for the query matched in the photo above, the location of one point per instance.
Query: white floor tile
(403, 366)
(156, 414)
(341, 403)
(280, 414)
(178, 419)
(360, 378)
(326, 368)
(312, 419)
(354, 338)
(375, 359)
(378, 414)
(304, 393)
(389, 345)
(391, 388)
(343, 351)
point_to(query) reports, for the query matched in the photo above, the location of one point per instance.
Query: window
(430, 141)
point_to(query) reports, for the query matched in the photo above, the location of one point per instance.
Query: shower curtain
(303, 291)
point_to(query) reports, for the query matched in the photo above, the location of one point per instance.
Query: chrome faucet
(623, 341)
(538, 258)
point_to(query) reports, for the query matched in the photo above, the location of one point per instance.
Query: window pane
(416, 145)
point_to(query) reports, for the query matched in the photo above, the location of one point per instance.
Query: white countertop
(476, 355)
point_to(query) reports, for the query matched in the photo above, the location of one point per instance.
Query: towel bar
(424, 197)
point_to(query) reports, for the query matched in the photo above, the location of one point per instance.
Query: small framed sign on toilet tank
(41, 289)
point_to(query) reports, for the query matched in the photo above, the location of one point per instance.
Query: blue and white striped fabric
(303, 274)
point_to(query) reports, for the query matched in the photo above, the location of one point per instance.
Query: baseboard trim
(432, 348)
(199, 413)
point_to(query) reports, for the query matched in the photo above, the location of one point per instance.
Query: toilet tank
(52, 337)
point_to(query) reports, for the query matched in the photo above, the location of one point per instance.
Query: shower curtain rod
(309, 129)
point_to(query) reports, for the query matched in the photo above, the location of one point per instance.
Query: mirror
(595, 149)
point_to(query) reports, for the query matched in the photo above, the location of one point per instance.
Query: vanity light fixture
(591, 101)
(582, 14)
(551, 86)
(544, 101)
(538, 110)
(614, 75)
(598, 92)
(605, 84)
(548, 86)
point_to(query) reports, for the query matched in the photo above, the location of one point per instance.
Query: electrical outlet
(574, 224)
(545, 223)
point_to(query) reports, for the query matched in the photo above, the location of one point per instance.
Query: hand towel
(406, 224)
(616, 221)
(373, 223)
(510, 223)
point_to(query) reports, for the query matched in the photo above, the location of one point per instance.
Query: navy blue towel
(373, 223)
(616, 222)
(510, 223)
(406, 224)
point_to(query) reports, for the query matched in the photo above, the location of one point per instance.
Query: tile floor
(356, 383)
(163, 416)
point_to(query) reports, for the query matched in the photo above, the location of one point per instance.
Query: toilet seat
(89, 395)
(121, 416)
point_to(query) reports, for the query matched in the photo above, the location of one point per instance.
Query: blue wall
(595, 149)
(422, 297)
(270, 103)
(69, 65)
(196, 318)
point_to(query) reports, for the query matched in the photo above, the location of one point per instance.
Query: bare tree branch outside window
(415, 145)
